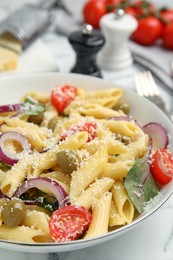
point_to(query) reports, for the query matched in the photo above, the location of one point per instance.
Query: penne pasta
(95, 190)
(23, 234)
(122, 201)
(100, 216)
(84, 177)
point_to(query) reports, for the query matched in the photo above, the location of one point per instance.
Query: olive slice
(53, 122)
(68, 160)
(36, 119)
(13, 212)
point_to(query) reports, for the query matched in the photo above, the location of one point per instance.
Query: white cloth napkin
(37, 58)
(156, 59)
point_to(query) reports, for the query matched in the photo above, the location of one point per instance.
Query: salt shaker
(86, 43)
(116, 28)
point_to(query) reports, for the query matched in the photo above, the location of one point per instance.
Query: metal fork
(146, 87)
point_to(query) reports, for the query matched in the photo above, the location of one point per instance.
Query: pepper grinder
(86, 43)
(117, 28)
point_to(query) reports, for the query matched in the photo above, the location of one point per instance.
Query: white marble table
(153, 239)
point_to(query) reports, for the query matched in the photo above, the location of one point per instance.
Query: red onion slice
(10, 108)
(44, 184)
(4, 196)
(12, 158)
(158, 134)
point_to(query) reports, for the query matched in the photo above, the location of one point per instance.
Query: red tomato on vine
(93, 11)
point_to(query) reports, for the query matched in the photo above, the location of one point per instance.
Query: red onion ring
(12, 158)
(3, 196)
(44, 183)
(158, 134)
(10, 108)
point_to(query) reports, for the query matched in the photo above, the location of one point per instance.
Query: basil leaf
(4, 165)
(140, 185)
(32, 107)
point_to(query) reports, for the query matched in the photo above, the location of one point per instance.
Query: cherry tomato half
(62, 96)
(162, 166)
(93, 11)
(168, 36)
(149, 30)
(69, 223)
(89, 127)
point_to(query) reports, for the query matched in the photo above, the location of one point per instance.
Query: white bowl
(14, 86)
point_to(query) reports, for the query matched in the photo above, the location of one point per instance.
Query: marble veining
(153, 238)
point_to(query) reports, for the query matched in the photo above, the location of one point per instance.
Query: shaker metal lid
(87, 36)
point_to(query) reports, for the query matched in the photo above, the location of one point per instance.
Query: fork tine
(153, 84)
(142, 84)
(138, 85)
(146, 85)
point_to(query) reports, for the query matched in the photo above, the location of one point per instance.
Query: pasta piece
(106, 98)
(14, 177)
(98, 111)
(44, 161)
(100, 216)
(122, 201)
(36, 135)
(41, 97)
(38, 220)
(117, 170)
(115, 219)
(23, 234)
(50, 113)
(95, 190)
(58, 175)
(123, 128)
(88, 172)
(2, 176)
(114, 147)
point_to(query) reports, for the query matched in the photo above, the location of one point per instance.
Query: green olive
(36, 119)
(13, 212)
(121, 105)
(125, 108)
(68, 160)
(124, 139)
(53, 122)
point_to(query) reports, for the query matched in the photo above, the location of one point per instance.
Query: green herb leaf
(140, 184)
(4, 165)
(32, 107)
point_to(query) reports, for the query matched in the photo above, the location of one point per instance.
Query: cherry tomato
(69, 223)
(149, 30)
(168, 36)
(143, 7)
(162, 166)
(113, 2)
(62, 96)
(93, 11)
(167, 15)
(111, 5)
(131, 11)
(89, 127)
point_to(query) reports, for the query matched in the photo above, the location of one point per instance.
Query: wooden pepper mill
(86, 43)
